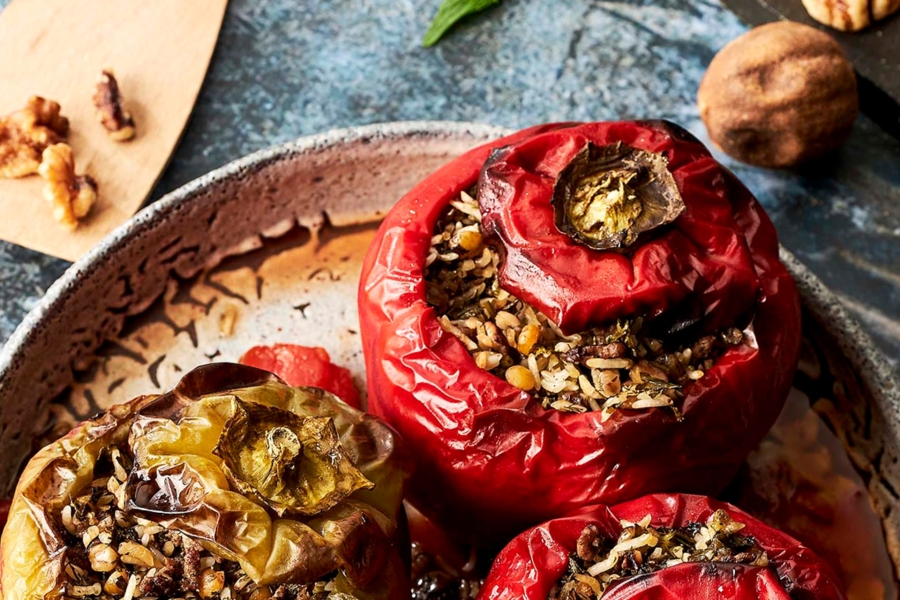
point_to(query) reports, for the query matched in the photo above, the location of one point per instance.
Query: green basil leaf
(449, 13)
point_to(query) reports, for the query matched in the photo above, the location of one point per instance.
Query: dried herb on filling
(618, 365)
(640, 549)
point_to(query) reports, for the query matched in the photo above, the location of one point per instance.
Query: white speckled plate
(268, 249)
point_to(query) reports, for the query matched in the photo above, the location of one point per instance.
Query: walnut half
(108, 99)
(850, 15)
(71, 195)
(25, 134)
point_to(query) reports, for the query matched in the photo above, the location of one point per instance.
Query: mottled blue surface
(285, 68)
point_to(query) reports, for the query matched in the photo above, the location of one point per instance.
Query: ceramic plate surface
(269, 248)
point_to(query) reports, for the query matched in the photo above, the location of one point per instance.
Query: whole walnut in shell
(779, 95)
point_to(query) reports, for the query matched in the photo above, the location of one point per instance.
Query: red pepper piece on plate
(304, 366)
(606, 318)
(728, 554)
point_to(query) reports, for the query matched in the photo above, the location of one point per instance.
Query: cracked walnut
(850, 15)
(118, 122)
(26, 133)
(71, 195)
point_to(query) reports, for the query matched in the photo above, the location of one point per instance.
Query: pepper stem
(607, 196)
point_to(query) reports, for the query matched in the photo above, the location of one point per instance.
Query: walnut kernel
(72, 196)
(779, 95)
(108, 100)
(25, 134)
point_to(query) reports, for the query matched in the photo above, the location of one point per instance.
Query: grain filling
(113, 553)
(615, 366)
(641, 549)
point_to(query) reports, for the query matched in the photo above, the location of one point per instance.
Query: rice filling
(640, 549)
(114, 553)
(615, 366)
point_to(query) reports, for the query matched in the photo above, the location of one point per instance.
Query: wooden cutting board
(159, 51)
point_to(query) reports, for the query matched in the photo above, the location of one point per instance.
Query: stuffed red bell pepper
(576, 314)
(661, 547)
(233, 485)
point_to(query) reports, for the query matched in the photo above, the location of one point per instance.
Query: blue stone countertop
(284, 69)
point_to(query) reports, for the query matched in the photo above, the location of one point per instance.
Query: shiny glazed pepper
(533, 564)
(284, 486)
(701, 267)
(492, 459)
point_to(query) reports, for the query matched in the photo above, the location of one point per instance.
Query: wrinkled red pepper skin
(304, 366)
(492, 461)
(709, 582)
(533, 562)
(701, 260)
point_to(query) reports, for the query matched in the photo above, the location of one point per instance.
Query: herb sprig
(449, 13)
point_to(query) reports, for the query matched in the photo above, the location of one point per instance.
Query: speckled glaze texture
(347, 176)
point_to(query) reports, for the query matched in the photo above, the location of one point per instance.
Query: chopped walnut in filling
(112, 553)
(606, 368)
(640, 549)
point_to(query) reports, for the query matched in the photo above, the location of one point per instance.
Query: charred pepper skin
(529, 567)
(491, 460)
